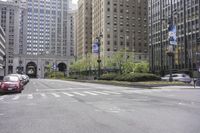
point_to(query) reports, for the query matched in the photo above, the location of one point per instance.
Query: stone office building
(45, 39)
(123, 24)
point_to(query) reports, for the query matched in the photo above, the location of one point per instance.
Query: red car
(11, 84)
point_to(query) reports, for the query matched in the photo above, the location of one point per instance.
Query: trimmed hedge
(131, 77)
(108, 76)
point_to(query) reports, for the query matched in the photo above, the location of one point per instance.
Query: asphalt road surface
(55, 106)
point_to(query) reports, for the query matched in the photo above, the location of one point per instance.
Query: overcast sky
(74, 1)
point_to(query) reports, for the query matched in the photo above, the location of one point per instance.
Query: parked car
(25, 78)
(178, 77)
(20, 78)
(11, 84)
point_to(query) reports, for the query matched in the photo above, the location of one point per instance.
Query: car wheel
(19, 91)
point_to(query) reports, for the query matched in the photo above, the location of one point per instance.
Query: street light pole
(170, 51)
(4, 58)
(126, 38)
(152, 52)
(161, 40)
(185, 36)
(99, 54)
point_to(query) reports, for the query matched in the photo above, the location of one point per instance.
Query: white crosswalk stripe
(87, 92)
(58, 95)
(70, 95)
(111, 92)
(2, 98)
(43, 95)
(77, 93)
(55, 95)
(98, 92)
(15, 98)
(30, 96)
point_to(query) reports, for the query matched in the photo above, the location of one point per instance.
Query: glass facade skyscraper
(185, 15)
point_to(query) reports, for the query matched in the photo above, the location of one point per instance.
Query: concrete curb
(132, 84)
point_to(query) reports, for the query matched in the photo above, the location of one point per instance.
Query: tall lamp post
(98, 39)
(4, 59)
(172, 41)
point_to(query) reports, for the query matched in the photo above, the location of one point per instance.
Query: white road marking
(111, 92)
(30, 96)
(55, 95)
(15, 98)
(53, 90)
(78, 93)
(87, 92)
(1, 98)
(100, 92)
(43, 95)
(68, 94)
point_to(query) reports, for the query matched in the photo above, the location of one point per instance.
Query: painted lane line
(70, 95)
(78, 93)
(87, 92)
(43, 95)
(30, 96)
(55, 95)
(15, 98)
(44, 90)
(112, 92)
(1, 98)
(101, 92)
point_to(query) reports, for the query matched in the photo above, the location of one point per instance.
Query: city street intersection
(56, 106)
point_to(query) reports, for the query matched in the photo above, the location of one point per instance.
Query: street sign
(54, 66)
(95, 48)
(172, 35)
(198, 40)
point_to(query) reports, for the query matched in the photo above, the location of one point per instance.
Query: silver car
(178, 77)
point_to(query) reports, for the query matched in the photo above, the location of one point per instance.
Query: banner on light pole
(172, 35)
(95, 48)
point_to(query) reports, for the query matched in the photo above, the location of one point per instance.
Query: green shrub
(136, 77)
(108, 76)
(55, 75)
(73, 77)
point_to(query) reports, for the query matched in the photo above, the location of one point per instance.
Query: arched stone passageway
(62, 67)
(31, 70)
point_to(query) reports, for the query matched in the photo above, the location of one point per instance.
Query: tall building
(185, 16)
(46, 40)
(2, 52)
(10, 22)
(123, 24)
(84, 28)
(71, 32)
(47, 27)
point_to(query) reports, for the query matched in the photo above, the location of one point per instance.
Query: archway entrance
(62, 67)
(31, 70)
